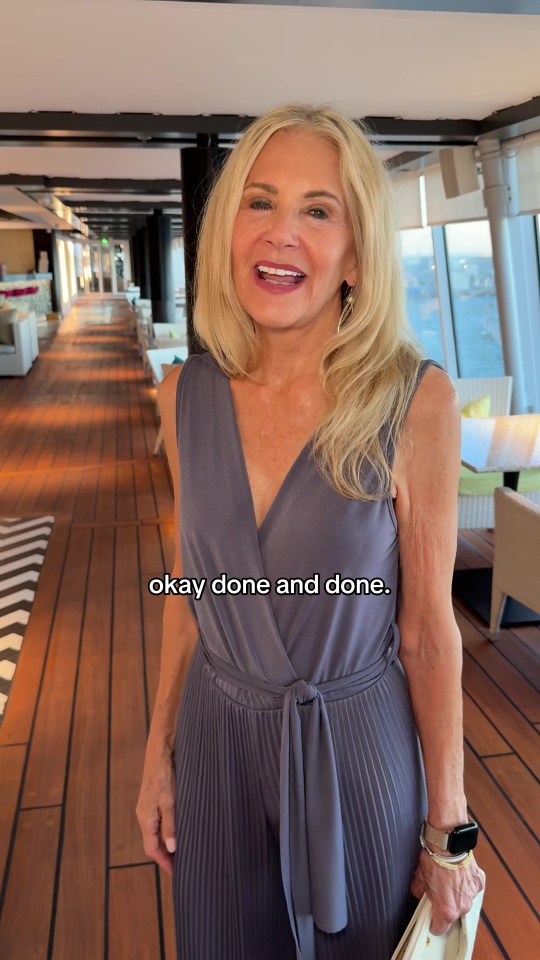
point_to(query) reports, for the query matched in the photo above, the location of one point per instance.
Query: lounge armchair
(516, 558)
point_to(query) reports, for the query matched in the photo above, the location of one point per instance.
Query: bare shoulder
(167, 389)
(428, 453)
(435, 399)
(166, 395)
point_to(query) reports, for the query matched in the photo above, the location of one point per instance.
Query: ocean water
(475, 314)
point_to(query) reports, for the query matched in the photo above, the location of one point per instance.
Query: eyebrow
(310, 195)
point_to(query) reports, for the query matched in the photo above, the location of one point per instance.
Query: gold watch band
(438, 837)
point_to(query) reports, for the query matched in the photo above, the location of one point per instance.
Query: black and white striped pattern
(23, 544)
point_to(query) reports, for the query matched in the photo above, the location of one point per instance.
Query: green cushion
(477, 408)
(483, 484)
(529, 481)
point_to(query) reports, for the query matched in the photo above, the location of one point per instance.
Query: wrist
(448, 816)
(460, 838)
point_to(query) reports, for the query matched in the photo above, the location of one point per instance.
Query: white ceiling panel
(188, 58)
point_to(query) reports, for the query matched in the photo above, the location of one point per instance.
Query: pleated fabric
(300, 786)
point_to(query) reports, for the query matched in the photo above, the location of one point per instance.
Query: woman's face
(293, 218)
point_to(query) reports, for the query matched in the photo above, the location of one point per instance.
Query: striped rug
(23, 544)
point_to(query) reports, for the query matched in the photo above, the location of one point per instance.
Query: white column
(497, 202)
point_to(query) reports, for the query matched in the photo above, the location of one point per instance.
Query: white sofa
(16, 357)
(33, 321)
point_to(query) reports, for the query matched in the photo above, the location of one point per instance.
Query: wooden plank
(146, 505)
(530, 636)
(28, 501)
(519, 786)
(68, 492)
(46, 773)
(133, 924)
(509, 914)
(17, 722)
(106, 498)
(128, 706)
(167, 913)
(126, 504)
(517, 653)
(162, 489)
(79, 928)
(468, 556)
(487, 655)
(85, 506)
(514, 843)
(485, 947)
(26, 917)
(151, 557)
(479, 732)
(517, 731)
(138, 441)
(479, 543)
(11, 764)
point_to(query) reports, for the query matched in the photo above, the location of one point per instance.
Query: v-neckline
(240, 447)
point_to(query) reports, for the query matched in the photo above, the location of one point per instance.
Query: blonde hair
(369, 368)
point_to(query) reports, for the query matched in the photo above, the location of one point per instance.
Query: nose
(282, 229)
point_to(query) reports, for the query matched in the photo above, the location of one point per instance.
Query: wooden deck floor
(76, 440)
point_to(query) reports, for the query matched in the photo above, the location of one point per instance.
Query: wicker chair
(516, 559)
(477, 510)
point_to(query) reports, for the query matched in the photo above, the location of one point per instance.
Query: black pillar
(199, 165)
(45, 241)
(143, 265)
(161, 272)
(134, 262)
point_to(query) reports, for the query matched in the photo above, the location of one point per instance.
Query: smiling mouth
(278, 277)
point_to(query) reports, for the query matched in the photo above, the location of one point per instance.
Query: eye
(319, 213)
(259, 204)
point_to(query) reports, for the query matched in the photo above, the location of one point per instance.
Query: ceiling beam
(150, 130)
(82, 185)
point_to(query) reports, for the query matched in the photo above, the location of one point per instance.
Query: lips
(278, 278)
(279, 275)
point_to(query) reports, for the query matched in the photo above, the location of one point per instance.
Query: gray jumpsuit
(300, 785)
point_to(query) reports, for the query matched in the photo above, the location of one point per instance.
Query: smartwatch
(462, 839)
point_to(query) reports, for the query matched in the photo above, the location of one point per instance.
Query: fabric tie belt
(311, 829)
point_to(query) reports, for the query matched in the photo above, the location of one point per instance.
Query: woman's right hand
(155, 806)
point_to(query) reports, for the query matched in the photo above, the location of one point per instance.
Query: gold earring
(349, 300)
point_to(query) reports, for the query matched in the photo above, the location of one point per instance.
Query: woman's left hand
(451, 891)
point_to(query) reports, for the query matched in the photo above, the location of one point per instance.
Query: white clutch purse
(417, 943)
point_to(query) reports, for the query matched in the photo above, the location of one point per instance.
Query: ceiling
(97, 99)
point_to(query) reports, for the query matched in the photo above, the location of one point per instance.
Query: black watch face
(463, 838)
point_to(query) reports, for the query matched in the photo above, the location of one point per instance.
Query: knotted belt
(311, 828)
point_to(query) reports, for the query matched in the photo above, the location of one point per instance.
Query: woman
(309, 434)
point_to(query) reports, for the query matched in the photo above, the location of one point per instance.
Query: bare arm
(180, 629)
(426, 474)
(155, 806)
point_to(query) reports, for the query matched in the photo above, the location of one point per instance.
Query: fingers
(158, 836)
(168, 829)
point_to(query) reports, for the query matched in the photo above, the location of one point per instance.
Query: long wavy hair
(369, 368)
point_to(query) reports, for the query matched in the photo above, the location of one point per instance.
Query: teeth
(275, 271)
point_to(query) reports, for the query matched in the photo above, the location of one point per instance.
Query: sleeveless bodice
(309, 529)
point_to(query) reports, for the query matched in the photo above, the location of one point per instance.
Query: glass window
(474, 300)
(423, 305)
